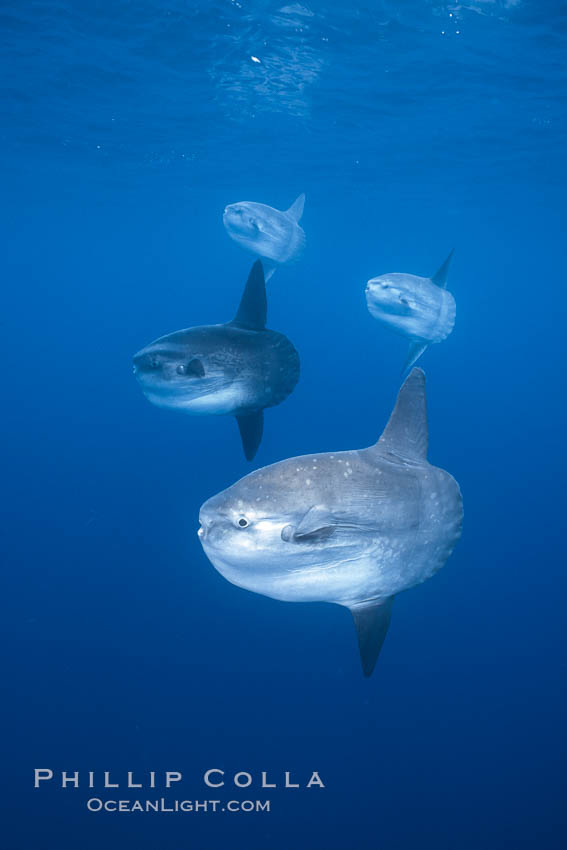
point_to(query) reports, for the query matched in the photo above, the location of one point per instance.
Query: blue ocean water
(412, 127)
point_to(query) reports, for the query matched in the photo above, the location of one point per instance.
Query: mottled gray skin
(243, 369)
(412, 306)
(270, 233)
(351, 527)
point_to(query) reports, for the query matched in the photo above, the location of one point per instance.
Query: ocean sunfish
(238, 368)
(353, 527)
(420, 308)
(274, 235)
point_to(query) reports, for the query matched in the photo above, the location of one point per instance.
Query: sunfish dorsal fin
(251, 427)
(296, 209)
(440, 276)
(371, 621)
(406, 431)
(253, 308)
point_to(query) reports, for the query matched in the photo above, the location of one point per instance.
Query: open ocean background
(412, 127)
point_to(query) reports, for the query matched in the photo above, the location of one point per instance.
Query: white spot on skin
(308, 481)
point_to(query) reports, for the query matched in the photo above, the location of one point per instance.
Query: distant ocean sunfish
(420, 308)
(238, 368)
(353, 527)
(273, 234)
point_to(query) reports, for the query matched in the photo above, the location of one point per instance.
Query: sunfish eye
(243, 522)
(384, 285)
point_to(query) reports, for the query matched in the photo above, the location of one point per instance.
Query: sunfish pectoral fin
(371, 620)
(251, 427)
(319, 523)
(406, 432)
(440, 276)
(416, 349)
(296, 209)
(316, 524)
(253, 308)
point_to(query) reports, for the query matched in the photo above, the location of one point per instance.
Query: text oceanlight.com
(95, 804)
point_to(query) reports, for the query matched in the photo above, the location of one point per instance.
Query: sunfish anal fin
(416, 349)
(440, 276)
(296, 209)
(269, 269)
(251, 427)
(406, 431)
(253, 309)
(371, 621)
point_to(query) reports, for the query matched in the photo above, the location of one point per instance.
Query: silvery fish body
(353, 527)
(419, 308)
(273, 234)
(238, 368)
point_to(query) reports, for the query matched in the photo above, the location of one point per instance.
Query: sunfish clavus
(274, 235)
(420, 308)
(238, 368)
(353, 527)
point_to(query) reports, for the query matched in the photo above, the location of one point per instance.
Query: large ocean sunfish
(353, 527)
(420, 308)
(273, 234)
(238, 368)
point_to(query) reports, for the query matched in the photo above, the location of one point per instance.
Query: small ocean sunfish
(420, 308)
(270, 233)
(238, 368)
